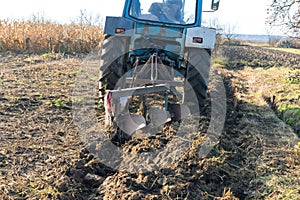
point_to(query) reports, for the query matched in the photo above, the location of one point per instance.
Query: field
(45, 37)
(256, 157)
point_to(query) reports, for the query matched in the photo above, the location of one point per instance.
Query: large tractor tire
(197, 75)
(113, 62)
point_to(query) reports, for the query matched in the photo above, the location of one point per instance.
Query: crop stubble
(42, 156)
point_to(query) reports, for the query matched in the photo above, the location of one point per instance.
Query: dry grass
(289, 50)
(268, 46)
(41, 37)
(276, 167)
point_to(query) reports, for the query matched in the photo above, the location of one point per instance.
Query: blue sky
(247, 15)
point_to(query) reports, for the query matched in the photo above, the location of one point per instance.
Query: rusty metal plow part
(130, 123)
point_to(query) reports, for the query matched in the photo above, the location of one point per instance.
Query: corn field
(40, 37)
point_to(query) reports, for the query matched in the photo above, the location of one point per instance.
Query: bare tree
(272, 40)
(229, 31)
(88, 18)
(285, 13)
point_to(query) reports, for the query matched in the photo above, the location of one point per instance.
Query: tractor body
(150, 46)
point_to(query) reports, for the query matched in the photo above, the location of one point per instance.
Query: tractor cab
(169, 12)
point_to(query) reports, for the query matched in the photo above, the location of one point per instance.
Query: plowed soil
(42, 157)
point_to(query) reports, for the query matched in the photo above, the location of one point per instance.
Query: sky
(248, 16)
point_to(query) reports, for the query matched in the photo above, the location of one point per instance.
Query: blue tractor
(157, 46)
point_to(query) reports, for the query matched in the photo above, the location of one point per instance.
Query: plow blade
(130, 123)
(158, 116)
(178, 111)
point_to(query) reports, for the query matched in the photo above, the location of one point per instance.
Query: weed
(293, 77)
(220, 61)
(290, 114)
(100, 105)
(79, 100)
(47, 55)
(60, 104)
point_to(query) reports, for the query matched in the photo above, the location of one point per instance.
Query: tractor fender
(200, 37)
(113, 23)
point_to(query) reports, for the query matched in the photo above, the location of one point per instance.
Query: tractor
(157, 49)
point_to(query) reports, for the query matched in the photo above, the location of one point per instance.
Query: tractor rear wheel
(197, 76)
(113, 62)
